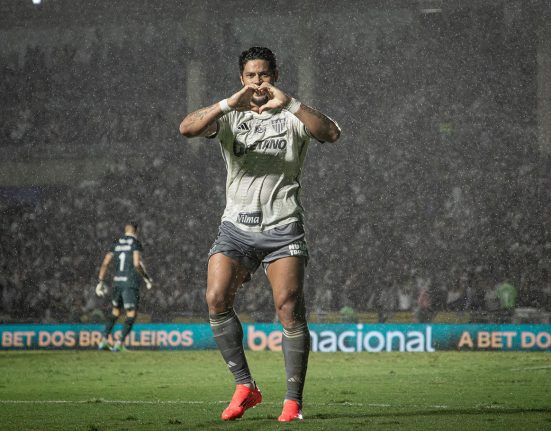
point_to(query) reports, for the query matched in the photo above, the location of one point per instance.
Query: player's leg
(225, 276)
(131, 315)
(130, 297)
(111, 320)
(116, 300)
(286, 275)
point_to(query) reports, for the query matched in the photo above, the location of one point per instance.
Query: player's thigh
(116, 297)
(130, 297)
(286, 276)
(225, 276)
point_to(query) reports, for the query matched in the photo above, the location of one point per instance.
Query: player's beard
(260, 100)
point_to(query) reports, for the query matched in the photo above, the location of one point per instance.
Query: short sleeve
(137, 246)
(224, 127)
(113, 245)
(299, 129)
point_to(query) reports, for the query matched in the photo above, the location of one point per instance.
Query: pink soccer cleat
(291, 411)
(243, 398)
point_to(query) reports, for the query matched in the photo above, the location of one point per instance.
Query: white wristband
(224, 106)
(293, 106)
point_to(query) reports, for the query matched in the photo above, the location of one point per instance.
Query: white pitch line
(343, 404)
(541, 367)
(101, 401)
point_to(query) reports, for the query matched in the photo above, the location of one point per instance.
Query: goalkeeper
(129, 269)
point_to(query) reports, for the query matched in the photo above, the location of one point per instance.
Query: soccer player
(129, 269)
(264, 134)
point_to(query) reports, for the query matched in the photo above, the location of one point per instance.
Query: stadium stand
(439, 183)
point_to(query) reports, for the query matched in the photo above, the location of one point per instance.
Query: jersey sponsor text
(250, 219)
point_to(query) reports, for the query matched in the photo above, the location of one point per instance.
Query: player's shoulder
(234, 123)
(137, 244)
(235, 118)
(283, 120)
(283, 114)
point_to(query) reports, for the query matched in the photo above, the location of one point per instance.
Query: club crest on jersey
(250, 219)
(279, 124)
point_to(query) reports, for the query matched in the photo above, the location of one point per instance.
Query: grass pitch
(100, 391)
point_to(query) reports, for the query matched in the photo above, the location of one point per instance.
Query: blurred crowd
(437, 193)
(51, 249)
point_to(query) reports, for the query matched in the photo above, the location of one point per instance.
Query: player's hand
(101, 289)
(149, 284)
(277, 99)
(242, 100)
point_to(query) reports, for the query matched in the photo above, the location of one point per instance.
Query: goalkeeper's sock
(228, 334)
(127, 327)
(109, 325)
(296, 347)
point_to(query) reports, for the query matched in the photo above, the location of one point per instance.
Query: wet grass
(100, 391)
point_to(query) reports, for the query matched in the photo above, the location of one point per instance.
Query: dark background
(440, 180)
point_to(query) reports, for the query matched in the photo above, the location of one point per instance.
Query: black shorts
(124, 296)
(253, 248)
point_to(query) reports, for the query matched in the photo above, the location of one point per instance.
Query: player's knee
(290, 314)
(216, 301)
(291, 321)
(131, 312)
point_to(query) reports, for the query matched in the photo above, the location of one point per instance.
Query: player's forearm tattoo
(201, 113)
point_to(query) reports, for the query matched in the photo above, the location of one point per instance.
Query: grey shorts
(253, 248)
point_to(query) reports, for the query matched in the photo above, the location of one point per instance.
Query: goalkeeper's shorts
(127, 297)
(254, 248)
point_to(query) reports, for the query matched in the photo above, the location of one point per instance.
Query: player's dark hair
(258, 53)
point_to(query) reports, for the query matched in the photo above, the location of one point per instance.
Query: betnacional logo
(350, 341)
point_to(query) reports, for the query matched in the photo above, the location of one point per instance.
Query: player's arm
(101, 289)
(140, 267)
(105, 266)
(203, 121)
(319, 125)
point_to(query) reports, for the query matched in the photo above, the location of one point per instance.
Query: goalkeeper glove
(101, 289)
(149, 283)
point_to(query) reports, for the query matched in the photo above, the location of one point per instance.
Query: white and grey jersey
(264, 155)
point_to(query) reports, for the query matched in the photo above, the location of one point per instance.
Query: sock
(296, 347)
(228, 334)
(128, 323)
(109, 325)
